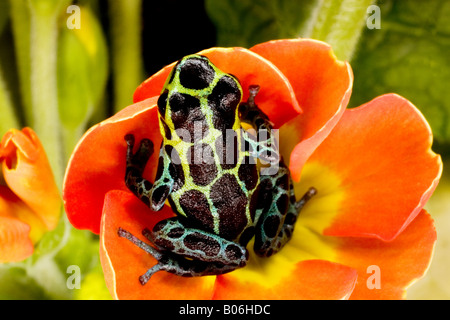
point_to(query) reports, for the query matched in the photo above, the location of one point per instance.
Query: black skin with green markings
(208, 172)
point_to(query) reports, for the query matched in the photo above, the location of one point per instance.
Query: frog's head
(197, 91)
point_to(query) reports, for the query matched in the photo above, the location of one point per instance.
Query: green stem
(44, 96)
(126, 47)
(9, 119)
(20, 19)
(340, 23)
(42, 265)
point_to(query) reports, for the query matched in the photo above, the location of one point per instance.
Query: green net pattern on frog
(208, 171)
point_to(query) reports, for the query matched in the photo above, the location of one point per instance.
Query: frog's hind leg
(171, 234)
(173, 264)
(276, 223)
(188, 252)
(292, 214)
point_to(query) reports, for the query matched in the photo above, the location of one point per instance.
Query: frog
(211, 173)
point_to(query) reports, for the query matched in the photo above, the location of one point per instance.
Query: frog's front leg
(207, 253)
(250, 113)
(153, 195)
(265, 142)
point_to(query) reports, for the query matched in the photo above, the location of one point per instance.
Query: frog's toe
(150, 272)
(144, 152)
(129, 138)
(146, 146)
(162, 258)
(144, 246)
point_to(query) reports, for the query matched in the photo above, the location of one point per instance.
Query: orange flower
(372, 166)
(30, 203)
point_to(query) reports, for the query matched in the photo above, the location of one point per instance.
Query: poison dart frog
(209, 173)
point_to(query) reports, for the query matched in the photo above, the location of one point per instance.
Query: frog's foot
(306, 197)
(136, 162)
(147, 248)
(250, 113)
(175, 264)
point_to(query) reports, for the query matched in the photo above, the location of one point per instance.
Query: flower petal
(322, 85)
(98, 163)
(376, 170)
(15, 242)
(123, 262)
(27, 173)
(13, 207)
(276, 92)
(398, 263)
(309, 279)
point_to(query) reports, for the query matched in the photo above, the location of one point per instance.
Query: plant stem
(340, 23)
(9, 119)
(44, 96)
(20, 20)
(126, 49)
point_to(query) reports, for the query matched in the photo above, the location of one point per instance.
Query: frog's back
(216, 179)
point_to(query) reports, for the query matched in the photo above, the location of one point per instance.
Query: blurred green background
(60, 79)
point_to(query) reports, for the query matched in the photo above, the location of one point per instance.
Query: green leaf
(37, 281)
(82, 74)
(80, 250)
(408, 56)
(52, 241)
(47, 274)
(246, 23)
(16, 285)
(340, 23)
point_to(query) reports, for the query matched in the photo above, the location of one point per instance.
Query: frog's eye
(226, 94)
(183, 102)
(186, 112)
(162, 102)
(196, 73)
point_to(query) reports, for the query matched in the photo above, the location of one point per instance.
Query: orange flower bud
(30, 203)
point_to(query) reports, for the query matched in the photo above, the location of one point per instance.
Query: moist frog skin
(208, 172)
